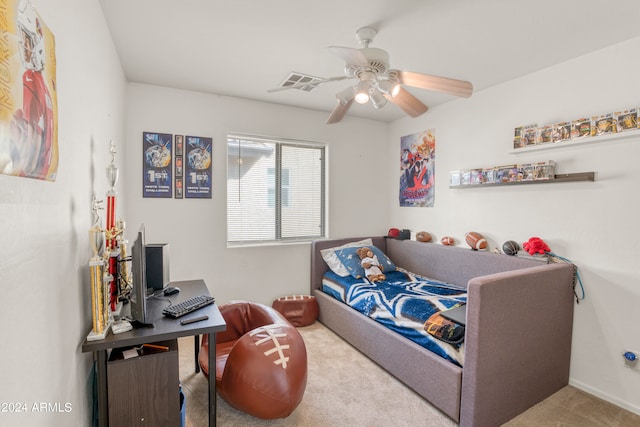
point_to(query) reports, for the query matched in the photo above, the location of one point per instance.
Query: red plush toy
(536, 245)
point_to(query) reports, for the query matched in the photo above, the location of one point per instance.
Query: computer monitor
(138, 298)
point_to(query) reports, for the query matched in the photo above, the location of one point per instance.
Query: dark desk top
(165, 328)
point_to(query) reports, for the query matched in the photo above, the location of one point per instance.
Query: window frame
(279, 143)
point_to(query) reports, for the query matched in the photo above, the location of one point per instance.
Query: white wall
(592, 223)
(196, 228)
(45, 250)
(43, 258)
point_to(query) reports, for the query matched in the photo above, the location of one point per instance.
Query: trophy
(96, 233)
(112, 230)
(112, 170)
(99, 296)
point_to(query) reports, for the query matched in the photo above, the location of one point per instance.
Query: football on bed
(476, 240)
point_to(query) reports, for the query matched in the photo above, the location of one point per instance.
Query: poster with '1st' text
(157, 167)
(197, 176)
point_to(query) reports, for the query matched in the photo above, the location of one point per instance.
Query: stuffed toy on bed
(372, 268)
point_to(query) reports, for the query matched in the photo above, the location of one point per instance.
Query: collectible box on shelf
(476, 176)
(536, 171)
(561, 132)
(524, 136)
(528, 135)
(507, 173)
(544, 170)
(580, 128)
(544, 134)
(603, 124)
(465, 177)
(488, 175)
(626, 120)
(525, 172)
(517, 137)
(455, 178)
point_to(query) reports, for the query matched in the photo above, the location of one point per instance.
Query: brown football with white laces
(448, 241)
(475, 240)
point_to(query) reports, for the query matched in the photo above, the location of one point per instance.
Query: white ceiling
(242, 48)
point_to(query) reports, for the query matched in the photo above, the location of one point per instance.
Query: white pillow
(332, 260)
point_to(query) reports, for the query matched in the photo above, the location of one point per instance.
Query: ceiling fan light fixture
(362, 93)
(389, 87)
(377, 99)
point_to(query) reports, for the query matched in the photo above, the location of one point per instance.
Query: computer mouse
(170, 290)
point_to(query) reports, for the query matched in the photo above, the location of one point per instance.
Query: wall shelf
(577, 142)
(564, 177)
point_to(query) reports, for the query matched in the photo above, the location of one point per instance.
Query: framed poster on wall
(29, 105)
(157, 174)
(417, 165)
(197, 167)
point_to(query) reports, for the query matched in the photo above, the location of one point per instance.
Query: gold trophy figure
(99, 301)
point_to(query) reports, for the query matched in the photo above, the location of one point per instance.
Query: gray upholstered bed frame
(518, 332)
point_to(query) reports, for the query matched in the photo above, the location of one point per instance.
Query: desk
(164, 328)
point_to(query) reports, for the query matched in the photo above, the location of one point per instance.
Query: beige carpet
(345, 388)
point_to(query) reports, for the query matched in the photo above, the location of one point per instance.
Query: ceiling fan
(377, 82)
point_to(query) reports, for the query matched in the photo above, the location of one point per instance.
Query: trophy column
(112, 232)
(99, 294)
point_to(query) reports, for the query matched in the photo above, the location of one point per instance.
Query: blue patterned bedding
(402, 303)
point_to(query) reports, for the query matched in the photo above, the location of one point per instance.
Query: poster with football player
(157, 167)
(29, 106)
(417, 169)
(197, 168)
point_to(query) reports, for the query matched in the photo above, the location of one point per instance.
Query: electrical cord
(578, 298)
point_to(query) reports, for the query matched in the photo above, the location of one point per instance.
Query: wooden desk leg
(101, 373)
(196, 350)
(212, 380)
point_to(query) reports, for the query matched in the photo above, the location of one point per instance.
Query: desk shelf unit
(144, 390)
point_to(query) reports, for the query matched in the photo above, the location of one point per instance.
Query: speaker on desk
(157, 265)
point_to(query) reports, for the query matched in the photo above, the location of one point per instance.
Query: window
(284, 187)
(275, 190)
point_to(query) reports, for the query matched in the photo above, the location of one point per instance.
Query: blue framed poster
(157, 176)
(197, 167)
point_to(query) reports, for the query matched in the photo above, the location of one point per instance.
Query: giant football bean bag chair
(261, 361)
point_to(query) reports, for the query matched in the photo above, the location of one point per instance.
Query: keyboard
(188, 306)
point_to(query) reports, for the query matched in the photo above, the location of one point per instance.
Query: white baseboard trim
(604, 396)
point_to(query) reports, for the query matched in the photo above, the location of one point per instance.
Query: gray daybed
(517, 337)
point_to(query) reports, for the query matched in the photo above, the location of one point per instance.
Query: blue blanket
(402, 303)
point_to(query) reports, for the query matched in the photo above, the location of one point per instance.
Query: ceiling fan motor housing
(378, 59)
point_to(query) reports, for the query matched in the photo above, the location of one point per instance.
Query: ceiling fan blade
(436, 83)
(315, 82)
(339, 111)
(350, 55)
(408, 103)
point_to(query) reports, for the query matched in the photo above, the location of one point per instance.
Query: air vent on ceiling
(301, 81)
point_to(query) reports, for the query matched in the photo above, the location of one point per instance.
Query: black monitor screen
(139, 276)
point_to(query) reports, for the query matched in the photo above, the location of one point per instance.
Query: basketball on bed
(475, 240)
(448, 241)
(510, 247)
